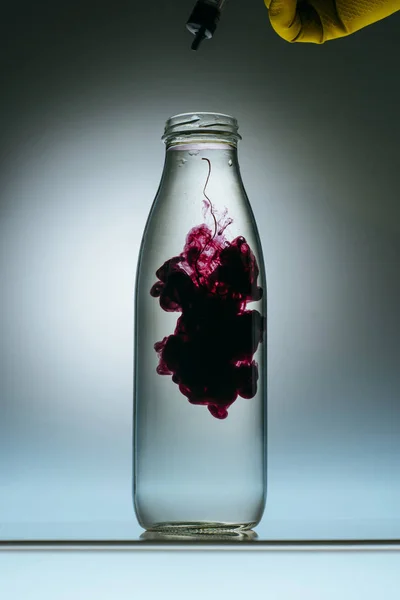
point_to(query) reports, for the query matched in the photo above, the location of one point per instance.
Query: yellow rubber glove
(318, 21)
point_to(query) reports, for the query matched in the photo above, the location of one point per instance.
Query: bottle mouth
(206, 125)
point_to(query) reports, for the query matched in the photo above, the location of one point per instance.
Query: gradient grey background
(87, 87)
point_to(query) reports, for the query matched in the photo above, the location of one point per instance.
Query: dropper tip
(200, 36)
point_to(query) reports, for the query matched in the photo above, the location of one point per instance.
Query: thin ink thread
(204, 192)
(213, 216)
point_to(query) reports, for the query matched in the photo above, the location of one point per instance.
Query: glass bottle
(200, 344)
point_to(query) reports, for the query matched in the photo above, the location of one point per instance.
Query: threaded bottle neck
(201, 127)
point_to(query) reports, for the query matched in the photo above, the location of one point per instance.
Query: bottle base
(204, 528)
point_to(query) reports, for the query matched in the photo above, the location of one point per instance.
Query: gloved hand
(318, 21)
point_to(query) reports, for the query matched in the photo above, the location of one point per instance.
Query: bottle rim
(200, 124)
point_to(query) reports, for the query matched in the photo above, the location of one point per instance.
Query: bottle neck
(220, 156)
(197, 171)
(193, 145)
(202, 140)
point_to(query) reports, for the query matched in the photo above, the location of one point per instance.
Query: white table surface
(276, 575)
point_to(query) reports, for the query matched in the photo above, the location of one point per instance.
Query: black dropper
(203, 21)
